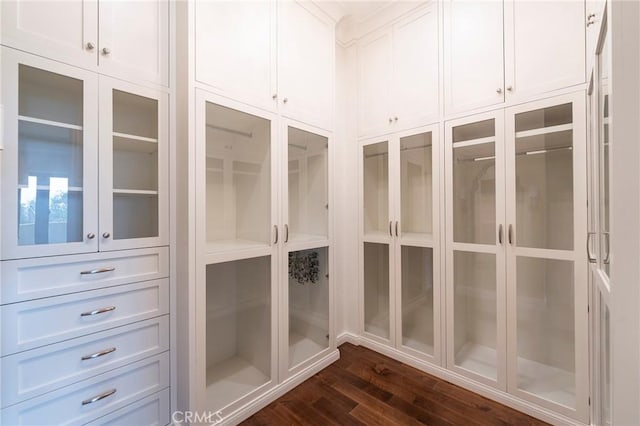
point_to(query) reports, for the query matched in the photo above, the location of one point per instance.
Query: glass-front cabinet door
(417, 239)
(50, 158)
(547, 291)
(134, 166)
(377, 230)
(306, 331)
(475, 238)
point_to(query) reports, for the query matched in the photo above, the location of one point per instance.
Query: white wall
(346, 193)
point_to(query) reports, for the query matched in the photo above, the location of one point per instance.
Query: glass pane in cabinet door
(416, 186)
(135, 166)
(308, 304)
(474, 309)
(474, 183)
(308, 186)
(50, 158)
(376, 189)
(544, 178)
(376, 289)
(604, 149)
(238, 170)
(545, 329)
(238, 329)
(417, 298)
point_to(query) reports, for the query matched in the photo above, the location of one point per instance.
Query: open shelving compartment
(135, 166)
(238, 180)
(50, 158)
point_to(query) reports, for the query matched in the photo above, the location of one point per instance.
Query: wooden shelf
(134, 137)
(544, 130)
(48, 122)
(133, 192)
(471, 142)
(132, 143)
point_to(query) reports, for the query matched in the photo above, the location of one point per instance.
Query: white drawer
(154, 410)
(28, 279)
(110, 391)
(31, 373)
(28, 325)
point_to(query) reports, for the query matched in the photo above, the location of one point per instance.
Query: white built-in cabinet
(85, 161)
(400, 233)
(285, 63)
(398, 75)
(263, 251)
(89, 34)
(510, 51)
(516, 283)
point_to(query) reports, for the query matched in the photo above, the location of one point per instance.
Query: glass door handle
(607, 251)
(592, 259)
(286, 233)
(510, 234)
(391, 228)
(500, 232)
(275, 229)
(397, 235)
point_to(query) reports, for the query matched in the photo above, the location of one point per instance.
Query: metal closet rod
(539, 151)
(401, 150)
(235, 132)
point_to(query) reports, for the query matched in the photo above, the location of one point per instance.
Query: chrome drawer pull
(99, 397)
(98, 311)
(98, 271)
(98, 354)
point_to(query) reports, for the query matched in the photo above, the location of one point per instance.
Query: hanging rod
(540, 151)
(376, 155)
(235, 132)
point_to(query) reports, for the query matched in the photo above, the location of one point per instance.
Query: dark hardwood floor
(367, 388)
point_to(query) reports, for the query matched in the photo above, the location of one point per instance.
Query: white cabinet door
(306, 58)
(50, 158)
(544, 46)
(416, 69)
(374, 80)
(134, 166)
(235, 49)
(473, 54)
(594, 11)
(134, 40)
(62, 30)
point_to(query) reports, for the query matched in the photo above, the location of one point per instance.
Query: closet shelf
(133, 192)
(134, 137)
(471, 142)
(49, 122)
(544, 130)
(47, 188)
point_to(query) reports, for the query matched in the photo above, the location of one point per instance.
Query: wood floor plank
(368, 388)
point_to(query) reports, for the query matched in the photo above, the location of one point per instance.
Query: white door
(416, 92)
(134, 166)
(235, 49)
(134, 40)
(475, 248)
(417, 249)
(50, 158)
(374, 84)
(63, 30)
(544, 46)
(377, 233)
(306, 63)
(473, 54)
(547, 284)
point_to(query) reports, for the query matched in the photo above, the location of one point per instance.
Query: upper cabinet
(398, 75)
(89, 34)
(473, 54)
(278, 56)
(510, 51)
(85, 161)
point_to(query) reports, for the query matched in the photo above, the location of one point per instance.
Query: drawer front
(154, 410)
(73, 404)
(31, 373)
(28, 279)
(28, 325)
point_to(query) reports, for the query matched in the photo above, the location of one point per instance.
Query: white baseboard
(347, 337)
(480, 389)
(275, 393)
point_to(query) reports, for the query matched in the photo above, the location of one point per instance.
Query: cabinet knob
(395, 118)
(90, 46)
(106, 235)
(106, 51)
(509, 88)
(499, 90)
(91, 235)
(285, 100)
(274, 96)
(390, 120)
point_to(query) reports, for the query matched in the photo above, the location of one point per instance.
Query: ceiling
(360, 10)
